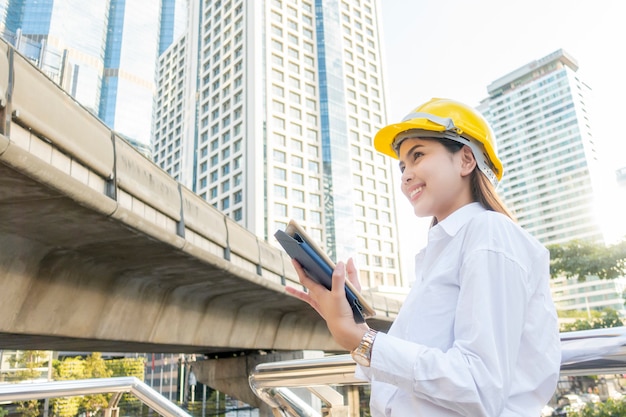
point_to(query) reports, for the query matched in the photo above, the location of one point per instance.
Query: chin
(419, 212)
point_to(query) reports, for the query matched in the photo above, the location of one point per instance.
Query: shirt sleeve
(474, 376)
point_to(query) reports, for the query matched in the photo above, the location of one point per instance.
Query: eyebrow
(417, 145)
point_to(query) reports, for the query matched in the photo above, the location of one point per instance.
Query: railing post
(112, 412)
(112, 409)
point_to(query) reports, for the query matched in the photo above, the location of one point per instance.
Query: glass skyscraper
(173, 22)
(540, 118)
(102, 52)
(128, 83)
(268, 109)
(66, 39)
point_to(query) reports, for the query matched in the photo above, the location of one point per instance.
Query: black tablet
(318, 266)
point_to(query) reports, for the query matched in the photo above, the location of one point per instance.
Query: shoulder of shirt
(496, 228)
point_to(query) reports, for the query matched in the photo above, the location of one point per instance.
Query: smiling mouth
(415, 191)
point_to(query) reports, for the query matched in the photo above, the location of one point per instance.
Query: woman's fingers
(339, 279)
(353, 275)
(332, 305)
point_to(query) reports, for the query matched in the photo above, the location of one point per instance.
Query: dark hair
(483, 191)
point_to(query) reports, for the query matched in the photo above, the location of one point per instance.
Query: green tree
(610, 408)
(95, 367)
(605, 318)
(580, 259)
(67, 369)
(128, 367)
(28, 408)
(29, 365)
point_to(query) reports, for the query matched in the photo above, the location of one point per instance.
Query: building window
(280, 174)
(298, 213)
(298, 196)
(280, 210)
(297, 178)
(315, 200)
(297, 162)
(280, 191)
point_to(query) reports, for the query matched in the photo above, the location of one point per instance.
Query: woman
(477, 334)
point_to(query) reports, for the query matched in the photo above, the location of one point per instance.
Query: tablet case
(300, 247)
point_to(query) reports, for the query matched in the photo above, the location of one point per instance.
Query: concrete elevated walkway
(102, 251)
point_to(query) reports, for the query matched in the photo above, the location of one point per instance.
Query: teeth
(415, 191)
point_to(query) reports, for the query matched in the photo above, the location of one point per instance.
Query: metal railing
(271, 382)
(586, 352)
(116, 386)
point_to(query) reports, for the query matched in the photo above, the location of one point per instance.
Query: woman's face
(435, 181)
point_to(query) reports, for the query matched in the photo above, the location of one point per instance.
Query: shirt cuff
(393, 360)
(362, 373)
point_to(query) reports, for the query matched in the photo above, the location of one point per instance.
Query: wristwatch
(363, 352)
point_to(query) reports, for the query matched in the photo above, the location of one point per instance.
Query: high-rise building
(268, 109)
(539, 115)
(591, 294)
(102, 52)
(65, 39)
(3, 14)
(174, 15)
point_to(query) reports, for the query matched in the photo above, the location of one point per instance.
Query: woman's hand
(353, 275)
(332, 304)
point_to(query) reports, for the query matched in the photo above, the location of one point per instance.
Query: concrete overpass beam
(230, 375)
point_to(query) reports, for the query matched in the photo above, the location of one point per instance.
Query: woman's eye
(417, 155)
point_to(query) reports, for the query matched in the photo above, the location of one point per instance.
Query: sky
(456, 48)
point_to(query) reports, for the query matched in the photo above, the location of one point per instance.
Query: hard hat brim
(384, 139)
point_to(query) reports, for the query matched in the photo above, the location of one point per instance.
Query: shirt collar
(455, 221)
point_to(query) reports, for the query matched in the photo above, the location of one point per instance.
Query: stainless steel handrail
(53, 389)
(271, 382)
(593, 352)
(586, 352)
(329, 370)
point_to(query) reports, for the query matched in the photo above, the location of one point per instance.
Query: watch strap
(362, 354)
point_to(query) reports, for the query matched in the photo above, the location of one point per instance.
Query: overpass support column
(230, 375)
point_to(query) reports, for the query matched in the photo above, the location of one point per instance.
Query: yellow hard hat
(447, 119)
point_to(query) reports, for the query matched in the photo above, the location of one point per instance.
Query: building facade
(102, 52)
(540, 117)
(591, 294)
(268, 109)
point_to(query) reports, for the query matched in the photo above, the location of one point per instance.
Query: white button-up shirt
(477, 334)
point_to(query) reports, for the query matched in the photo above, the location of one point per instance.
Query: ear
(468, 162)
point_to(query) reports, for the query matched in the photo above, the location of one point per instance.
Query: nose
(406, 176)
